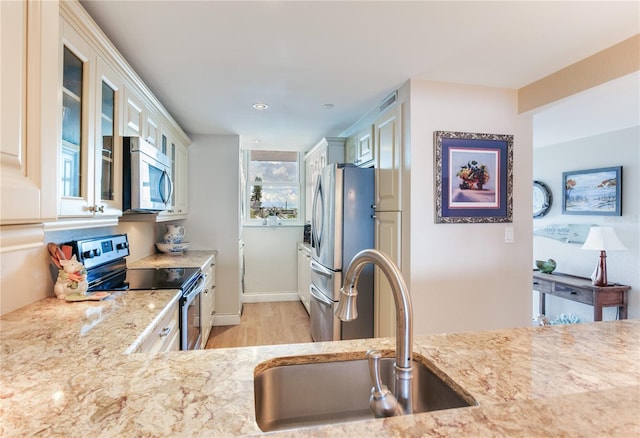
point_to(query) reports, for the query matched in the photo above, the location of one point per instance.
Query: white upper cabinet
(102, 101)
(365, 147)
(178, 155)
(360, 148)
(327, 151)
(140, 120)
(388, 149)
(28, 90)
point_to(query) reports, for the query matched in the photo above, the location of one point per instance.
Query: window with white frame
(273, 186)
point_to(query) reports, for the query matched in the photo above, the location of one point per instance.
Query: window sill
(278, 225)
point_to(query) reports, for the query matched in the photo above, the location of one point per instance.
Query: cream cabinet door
(388, 145)
(181, 179)
(350, 149)
(304, 258)
(29, 44)
(179, 156)
(207, 302)
(388, 233)
(365, 147)
(133, 113)
(151, 128)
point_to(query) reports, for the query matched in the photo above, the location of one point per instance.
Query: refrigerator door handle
(315, 293)
(316, 225)
(317, 267)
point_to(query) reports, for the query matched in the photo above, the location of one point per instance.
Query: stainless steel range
(104, 259)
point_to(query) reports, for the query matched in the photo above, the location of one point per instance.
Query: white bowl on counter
(172, 248)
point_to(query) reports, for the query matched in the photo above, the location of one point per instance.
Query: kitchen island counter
(64, 372)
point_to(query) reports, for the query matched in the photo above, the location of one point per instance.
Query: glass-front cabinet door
(89, 177)
(75, 172)
(108, 144)
(72, 93)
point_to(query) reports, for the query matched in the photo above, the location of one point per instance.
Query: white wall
(618, 148)
(271, 262)
(214, 214)
(464, 276)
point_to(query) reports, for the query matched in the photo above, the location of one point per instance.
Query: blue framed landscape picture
(474, 177)
(595, 192)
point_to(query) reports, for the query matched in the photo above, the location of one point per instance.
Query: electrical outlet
(508, 234)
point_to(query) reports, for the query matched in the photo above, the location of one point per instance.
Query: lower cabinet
(208, 301)
(166, 335)
(304, 258)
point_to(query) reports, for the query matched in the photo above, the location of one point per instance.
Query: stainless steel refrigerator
(342, 225)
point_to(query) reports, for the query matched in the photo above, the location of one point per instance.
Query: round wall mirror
(541, 199)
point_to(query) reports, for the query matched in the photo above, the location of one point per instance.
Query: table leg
(623, 308)
(542, 304)
(597, 308)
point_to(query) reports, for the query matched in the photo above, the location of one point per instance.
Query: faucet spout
(346, 311)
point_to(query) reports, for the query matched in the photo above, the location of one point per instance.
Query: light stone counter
(188, 259)
(64, 373)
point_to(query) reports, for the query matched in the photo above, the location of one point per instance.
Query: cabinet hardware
(165, 331)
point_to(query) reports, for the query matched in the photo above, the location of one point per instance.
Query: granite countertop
(65, 371)
(187, 259)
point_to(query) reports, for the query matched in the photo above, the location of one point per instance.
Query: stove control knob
(122, 245)
(87, 254)
(96, 252)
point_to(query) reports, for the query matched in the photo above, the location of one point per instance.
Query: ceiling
(210, 61)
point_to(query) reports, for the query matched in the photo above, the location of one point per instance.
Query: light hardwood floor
(264, 324)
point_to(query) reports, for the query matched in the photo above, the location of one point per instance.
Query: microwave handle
(167, 183)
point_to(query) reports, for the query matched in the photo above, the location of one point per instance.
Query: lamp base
(599, 276)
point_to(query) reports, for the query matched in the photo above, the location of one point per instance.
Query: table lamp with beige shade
(602, 239)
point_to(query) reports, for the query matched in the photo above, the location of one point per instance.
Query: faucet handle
(382, 401)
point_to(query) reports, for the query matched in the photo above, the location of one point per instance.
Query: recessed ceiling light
(327, 106)
(260, 106)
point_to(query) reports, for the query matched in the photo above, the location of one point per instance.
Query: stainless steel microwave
(146, 177)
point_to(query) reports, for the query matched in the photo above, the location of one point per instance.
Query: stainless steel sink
(326, 389)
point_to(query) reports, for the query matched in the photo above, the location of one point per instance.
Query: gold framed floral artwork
(473, 177)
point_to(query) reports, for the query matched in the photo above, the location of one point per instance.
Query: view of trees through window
(273, 180)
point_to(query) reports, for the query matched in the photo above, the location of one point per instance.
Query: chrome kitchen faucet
(382, 402)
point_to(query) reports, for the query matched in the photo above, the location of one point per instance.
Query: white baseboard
(269, 297)
(228, 319)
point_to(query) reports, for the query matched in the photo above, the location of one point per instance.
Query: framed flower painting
(473, 177)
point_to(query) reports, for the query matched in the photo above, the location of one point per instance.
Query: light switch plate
(508, 234)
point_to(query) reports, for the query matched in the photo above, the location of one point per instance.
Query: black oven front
(190, 330)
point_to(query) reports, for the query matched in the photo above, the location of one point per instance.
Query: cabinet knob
(96, 209)
(165, 332)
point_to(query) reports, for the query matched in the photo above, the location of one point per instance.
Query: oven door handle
(315, 293)
(198, 288)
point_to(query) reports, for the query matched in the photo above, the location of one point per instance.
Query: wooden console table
(581, 290)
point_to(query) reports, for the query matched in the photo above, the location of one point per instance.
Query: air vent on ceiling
(388, 101)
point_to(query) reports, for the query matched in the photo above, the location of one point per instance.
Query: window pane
(273, 167)
(281, 200)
